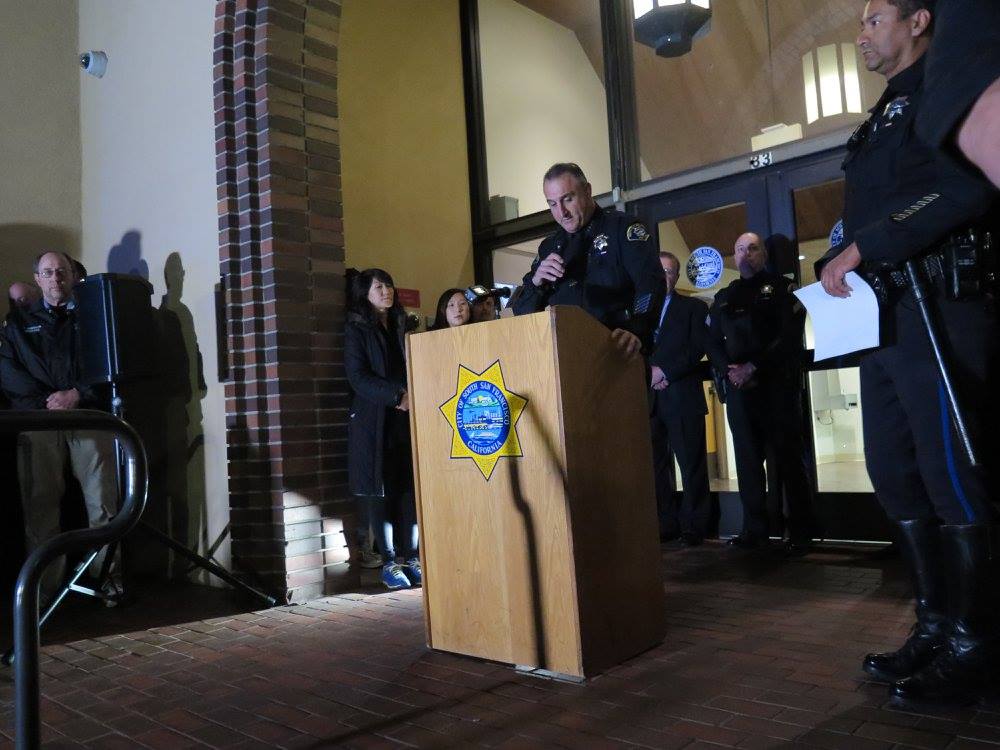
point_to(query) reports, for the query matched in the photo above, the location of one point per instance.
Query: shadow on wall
(126, 256)
(21, 243)
(167, 412)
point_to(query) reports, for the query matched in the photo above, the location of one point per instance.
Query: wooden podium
(553, 561)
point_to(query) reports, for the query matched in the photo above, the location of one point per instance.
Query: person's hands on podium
(63, 400)
(658, 379)
(550, 269)
(626, 341)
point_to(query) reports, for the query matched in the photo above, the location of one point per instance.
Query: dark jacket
(612, 271)
(39, 355)
(366, 360)
(757, 320)
(680, 345)
(902, 196)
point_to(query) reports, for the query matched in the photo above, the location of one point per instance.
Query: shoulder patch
(636, 232)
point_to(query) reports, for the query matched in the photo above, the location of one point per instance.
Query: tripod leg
(206, 564)
(8, 656)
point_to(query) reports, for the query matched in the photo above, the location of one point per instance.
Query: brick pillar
(281, 250)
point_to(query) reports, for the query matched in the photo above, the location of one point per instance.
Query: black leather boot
(964, 666)
(920, 541)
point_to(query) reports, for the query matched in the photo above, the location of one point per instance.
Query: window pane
(833, 394)
(764, 72)
(718, 229)
(543, 96)
(511, 263)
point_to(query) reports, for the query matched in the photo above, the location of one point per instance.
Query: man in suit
(678, 412)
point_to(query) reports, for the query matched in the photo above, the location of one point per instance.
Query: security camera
(94, 62)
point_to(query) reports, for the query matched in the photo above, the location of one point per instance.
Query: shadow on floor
(154, 604)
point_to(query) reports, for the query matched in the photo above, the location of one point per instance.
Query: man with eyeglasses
(39, 369)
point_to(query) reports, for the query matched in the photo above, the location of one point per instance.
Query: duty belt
(962, 267)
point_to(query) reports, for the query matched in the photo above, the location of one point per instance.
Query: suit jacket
(679, 348)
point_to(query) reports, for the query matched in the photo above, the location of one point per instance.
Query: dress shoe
(744, 541)
(690, 539)
(797, 549)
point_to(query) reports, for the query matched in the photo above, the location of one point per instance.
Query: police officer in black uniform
(907, 200)
(599, 260)
(755, 344)
(962, 100)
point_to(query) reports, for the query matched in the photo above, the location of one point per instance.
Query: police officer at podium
(907, 201)
(598, 259)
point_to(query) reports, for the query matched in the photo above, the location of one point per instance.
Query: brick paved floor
(760, 653)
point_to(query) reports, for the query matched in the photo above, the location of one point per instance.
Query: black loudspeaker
(114, 313)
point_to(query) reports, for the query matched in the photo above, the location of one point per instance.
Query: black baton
(920, 294)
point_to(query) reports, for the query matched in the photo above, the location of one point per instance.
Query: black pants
(683, 436)
(393, 520)
(766, 421)
(913, 454)
(393, 516)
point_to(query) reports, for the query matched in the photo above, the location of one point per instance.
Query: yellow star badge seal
(483, 416)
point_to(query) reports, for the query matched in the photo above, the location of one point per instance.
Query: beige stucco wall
(149, 204)
(543, 103)
(405, 167)
(39, 134)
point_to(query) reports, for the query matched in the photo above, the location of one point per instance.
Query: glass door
(700, 226)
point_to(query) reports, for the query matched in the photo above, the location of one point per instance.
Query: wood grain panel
(554, 561)
(610, 480)
(499, 572)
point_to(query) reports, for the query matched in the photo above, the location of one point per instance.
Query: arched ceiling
(744, 75)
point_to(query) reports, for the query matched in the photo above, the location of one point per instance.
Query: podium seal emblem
(483, 416)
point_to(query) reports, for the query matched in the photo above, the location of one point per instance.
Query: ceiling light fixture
(831, 81)
(671, 26)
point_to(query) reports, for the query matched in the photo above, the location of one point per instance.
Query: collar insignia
(636, 233)
(895, 107)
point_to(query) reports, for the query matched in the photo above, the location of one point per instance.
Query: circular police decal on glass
(483, 416)
(837, 234)
(704, 267)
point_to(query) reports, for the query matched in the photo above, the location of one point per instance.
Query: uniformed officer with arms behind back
(599, 260)
(906, 200)
(755, 345)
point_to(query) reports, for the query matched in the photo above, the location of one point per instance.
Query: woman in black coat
(379, 462)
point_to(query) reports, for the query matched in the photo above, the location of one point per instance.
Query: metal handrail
(26, 638)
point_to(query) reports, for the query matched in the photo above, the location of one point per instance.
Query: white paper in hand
(842, 325)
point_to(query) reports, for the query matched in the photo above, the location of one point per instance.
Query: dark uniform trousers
(913, 453)
(904, 198)
(766, 422)
(681, 434)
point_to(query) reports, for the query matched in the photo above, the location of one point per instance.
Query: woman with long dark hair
(452, 310)
(379, 462)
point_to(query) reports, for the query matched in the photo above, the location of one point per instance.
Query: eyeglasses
(48, 273)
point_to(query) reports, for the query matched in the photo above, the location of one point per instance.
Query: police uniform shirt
(757, 320)
(612, 270)
(962, 62)
(902, 195)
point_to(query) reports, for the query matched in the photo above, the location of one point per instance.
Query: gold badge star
(483, 416)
